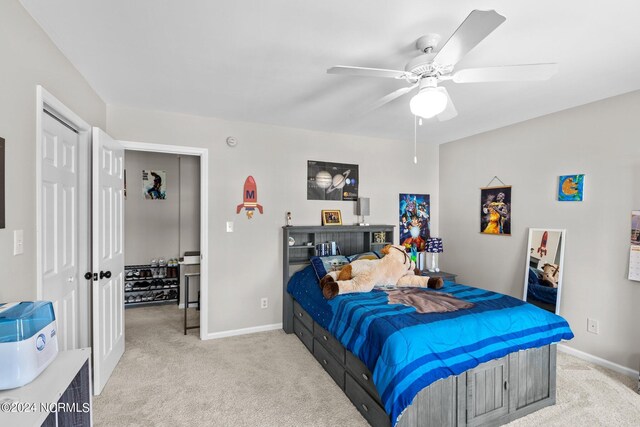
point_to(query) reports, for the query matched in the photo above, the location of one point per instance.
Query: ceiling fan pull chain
(415, 139)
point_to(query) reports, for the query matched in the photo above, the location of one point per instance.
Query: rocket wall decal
(249, 198)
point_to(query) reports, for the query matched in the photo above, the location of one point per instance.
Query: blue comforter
(407, 351)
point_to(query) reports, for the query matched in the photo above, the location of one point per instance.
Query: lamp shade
(434, 245)
(429, 102)
(362, 206)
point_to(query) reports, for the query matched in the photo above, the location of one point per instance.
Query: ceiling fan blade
(390, 97)
(510, 73)
(368, 72)
(450, 110)
(478, 25)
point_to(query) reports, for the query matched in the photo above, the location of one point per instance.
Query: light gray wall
(190, 219)
(247, 264)
(151, 227)
(163, 228)
(599, 140)
(29, 58)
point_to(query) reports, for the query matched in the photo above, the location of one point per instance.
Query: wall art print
(414, 216)
(154, 184)
(634, 251)
(249, 198)
(332, 181)
(571, 188)
(2, 201)
(495, 210)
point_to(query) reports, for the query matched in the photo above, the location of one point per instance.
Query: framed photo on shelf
(331, 217)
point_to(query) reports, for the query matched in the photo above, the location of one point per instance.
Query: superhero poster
(415, 214)
(495, 210)
(154, 185)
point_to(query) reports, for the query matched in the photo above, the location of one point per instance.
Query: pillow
(364, 255)
(325, 264)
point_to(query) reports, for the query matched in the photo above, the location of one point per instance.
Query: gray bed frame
(493, 393)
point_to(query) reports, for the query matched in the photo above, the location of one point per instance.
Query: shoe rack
(151, 285)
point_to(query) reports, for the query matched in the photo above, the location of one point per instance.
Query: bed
(486, 365)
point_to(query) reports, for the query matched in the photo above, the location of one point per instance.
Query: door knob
(104, 274)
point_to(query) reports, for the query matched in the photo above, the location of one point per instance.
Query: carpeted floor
(270, 379)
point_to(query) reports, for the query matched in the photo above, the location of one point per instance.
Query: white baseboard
(598, 361)
(191, 305)
(252, 330)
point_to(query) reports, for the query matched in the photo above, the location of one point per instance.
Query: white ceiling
(265, 61)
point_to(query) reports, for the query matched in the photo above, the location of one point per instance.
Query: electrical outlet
(593, 326)
(229, 226)
(264, 302)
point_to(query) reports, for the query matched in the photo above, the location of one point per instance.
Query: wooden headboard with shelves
(351, 239)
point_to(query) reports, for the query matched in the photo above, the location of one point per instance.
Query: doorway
(63, 194)
(161, 239)
(90, 310)
(203, 155)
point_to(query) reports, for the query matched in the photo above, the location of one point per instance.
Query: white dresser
(60, 396)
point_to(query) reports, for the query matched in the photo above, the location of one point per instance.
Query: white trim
(245, 331)
(191, 305)
(598, 361)
(203, 153)
(163, 148)
(46, 99)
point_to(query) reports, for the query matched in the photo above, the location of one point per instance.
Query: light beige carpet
(270, 379)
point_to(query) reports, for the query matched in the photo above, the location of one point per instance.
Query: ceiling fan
(430, 68)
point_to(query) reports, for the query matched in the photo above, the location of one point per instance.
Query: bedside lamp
(434, 247)
(362, 209)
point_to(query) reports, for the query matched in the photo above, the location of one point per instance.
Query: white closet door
(59, 226)
(108, 256)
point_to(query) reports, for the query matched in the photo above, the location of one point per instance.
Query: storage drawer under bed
(368, 407)
(329, 342)
(361, 374)
(302, 316)
(329, 363)
(304, 334)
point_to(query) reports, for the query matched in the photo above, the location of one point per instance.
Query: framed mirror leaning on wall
(544, 268)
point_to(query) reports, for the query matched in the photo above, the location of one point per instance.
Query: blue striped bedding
(407, 351)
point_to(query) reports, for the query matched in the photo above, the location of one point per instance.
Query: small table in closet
(187, 279)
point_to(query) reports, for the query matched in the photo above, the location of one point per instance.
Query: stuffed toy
(395, 269)
(551, 275)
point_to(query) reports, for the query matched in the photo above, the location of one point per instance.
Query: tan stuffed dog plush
(396, 269)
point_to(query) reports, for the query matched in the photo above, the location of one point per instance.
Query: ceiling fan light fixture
(428, 103)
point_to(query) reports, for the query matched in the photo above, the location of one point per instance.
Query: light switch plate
(229, 226)
(18, 242)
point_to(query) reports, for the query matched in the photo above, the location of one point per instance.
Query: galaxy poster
(154, 184)
(415, 216)
(332, 181)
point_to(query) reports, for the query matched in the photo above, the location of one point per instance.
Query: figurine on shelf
(289, 222)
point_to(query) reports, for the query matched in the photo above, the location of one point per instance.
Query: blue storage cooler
(28, 341)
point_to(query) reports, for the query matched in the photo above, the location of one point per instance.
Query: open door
(108, 256)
